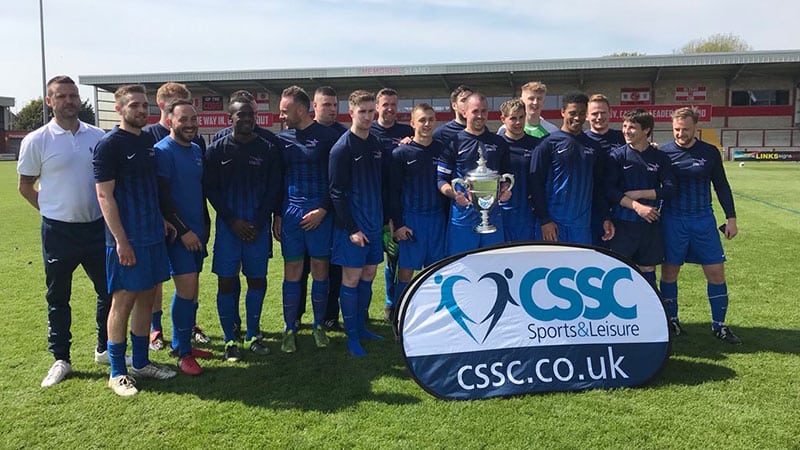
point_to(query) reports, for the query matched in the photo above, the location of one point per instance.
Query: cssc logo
(590, 282)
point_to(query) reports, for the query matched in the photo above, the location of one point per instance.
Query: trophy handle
(509, 178)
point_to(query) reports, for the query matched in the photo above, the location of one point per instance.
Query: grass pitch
(709, 394)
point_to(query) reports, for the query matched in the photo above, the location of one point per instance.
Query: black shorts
(638, 241)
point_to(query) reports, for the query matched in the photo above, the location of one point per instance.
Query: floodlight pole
(44, 76)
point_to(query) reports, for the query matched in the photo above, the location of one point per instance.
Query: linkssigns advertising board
(531, 317)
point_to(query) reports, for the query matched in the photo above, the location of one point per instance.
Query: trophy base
(485, 229)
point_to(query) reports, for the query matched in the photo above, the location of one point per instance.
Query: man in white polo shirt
(59, 156)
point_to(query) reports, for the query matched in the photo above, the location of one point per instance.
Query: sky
(150, 36)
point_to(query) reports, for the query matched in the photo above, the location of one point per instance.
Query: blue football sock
(348, 298)
(182, 315)
(319, 300)
(195, 306)
(253, 302)
(139, 349)
(718, 298)
(155, 323)
(670, 293)
(291, 302)
(228, 309)
(364, 300)
(116, 356)
(237, 290)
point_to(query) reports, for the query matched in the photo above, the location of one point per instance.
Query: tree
(87, 112)
(30, 116)
(717, 43)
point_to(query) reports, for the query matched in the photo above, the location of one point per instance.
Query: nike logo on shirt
(52, 260)
(562, 151)
(226, 161)
(627, 167)
(358, 159)
(408, 163)
(130, 156)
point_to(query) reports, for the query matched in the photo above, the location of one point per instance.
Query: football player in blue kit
(243, 182)
(564, 179)
(690, 230)
(458, 100)
(518, 219)
(355, 188)
(326, 111)
(458, 158)
(180, 182)
(638, 179)
(166, 94)
(598, 115)
(389, 132)
(417, 209)
(136, 255)
(305, 226)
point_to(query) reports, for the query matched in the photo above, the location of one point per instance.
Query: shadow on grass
(698, 341)
(324, 380)
(690, 373)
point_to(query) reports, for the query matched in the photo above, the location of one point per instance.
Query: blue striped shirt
(562, 179)
(628, 170)
(520, 151)
(445, 132)
(389, 138)
(355, 183)
(697, 168)
(130, 161)
(244, 180)
(414, 188)
(609, 140)
(461, 156)
(306, 154)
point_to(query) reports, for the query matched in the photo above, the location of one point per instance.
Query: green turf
(709, 394)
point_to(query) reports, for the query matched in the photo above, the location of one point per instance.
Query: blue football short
(428, 245)
(231, 253)
(641, 242)
(347, 254)
(296, 242)
(691, 239)
(182, 261)
(462, 238)
(518, 225)
(151, 268)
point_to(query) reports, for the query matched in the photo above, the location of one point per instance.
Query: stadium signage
(531, 317)
(661, 113)
(766, 153)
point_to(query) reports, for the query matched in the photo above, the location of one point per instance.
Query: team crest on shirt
(151, 152)
(588, 151)
(255, 161)
(312, 143)
(699, 162)
(489, 147)
(377, 154)
(653, 167)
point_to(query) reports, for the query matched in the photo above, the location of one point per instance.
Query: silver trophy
(483, 186)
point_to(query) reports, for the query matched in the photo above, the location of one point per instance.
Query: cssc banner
(531, 317)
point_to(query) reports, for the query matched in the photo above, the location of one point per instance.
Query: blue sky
(147, 36)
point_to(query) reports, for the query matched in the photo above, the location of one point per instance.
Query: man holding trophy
(468, 175)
